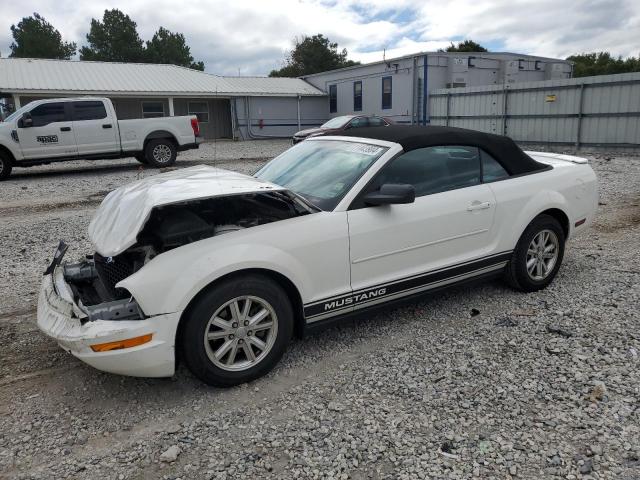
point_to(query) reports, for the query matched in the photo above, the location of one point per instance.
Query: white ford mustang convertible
(220, 269)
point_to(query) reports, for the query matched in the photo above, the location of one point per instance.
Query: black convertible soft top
(412, 137)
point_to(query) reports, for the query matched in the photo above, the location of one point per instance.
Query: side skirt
(384, 292)
(353, 316)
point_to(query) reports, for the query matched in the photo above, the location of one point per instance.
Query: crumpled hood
(124, 212)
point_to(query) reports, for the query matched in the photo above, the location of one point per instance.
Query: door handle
(107, 125)
(476, 205)
(65, 129)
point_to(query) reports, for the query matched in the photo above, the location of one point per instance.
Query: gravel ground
(477, 381)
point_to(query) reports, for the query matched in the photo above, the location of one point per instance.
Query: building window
(333, 98)
(152, 109)
(386, 93)
(200, 110)
(357, 96)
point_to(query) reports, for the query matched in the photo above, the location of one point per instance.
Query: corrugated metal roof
(62, 76)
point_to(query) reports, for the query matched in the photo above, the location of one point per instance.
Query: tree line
(115, 38)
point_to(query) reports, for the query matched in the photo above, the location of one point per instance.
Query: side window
(386, 92)
(48, 113)
(333, 98)
(90, 110)
(434, 169)
(152, 109)
(359, 122)
(491, 169)
(357, 96)
(376, 122)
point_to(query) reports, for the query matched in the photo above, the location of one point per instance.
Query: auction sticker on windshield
(362, 148)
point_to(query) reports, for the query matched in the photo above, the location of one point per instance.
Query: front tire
(537, 256)
(160, 152)
(5, 166)
(237, 331)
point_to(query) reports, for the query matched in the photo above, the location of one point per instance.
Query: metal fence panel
(602, 111)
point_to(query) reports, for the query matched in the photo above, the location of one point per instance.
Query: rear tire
(6, 164)
(537, 256)
(226, 342)
(160, 152)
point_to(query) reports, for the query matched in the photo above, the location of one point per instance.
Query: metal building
(227, 107)
(399, 88)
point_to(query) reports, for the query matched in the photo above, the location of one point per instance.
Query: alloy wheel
(240, 334)
(542, 254)
(161, 153)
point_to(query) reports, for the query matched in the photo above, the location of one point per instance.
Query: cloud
(253, 36)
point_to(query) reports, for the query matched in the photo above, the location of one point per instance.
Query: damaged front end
(82, 305)
(94, 280)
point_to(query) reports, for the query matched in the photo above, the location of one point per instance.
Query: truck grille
(111, 270)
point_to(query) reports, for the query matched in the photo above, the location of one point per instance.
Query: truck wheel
(160, 152)
(141, 158)
(538, 255)
(237, 331)
(5, 165)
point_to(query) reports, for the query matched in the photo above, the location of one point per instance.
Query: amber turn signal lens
(120, 344)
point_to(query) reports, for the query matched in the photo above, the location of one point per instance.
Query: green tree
(115, 39)
(602, 63)
(169, 47)
(312, 55)
(465, 46)
(34, 37)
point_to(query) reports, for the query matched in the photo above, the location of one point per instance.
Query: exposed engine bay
(93, 280)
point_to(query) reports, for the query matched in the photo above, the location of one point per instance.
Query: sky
(250, 37)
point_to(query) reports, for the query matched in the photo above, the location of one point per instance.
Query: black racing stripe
(343, 302)
(468, 262)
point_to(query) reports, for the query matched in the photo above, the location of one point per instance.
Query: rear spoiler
(558, 156)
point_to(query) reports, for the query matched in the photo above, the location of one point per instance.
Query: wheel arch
(5, 150)
(560, 216)
(159, 134)
(285, 283)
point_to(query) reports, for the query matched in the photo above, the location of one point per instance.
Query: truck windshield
(17, 114)
(321, 171)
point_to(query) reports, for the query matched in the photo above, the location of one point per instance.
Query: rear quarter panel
(569, 187)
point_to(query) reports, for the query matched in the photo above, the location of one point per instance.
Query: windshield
(336, 122)
(323, 171)
(18, 113)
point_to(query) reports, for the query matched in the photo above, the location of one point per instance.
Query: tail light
(195, 126)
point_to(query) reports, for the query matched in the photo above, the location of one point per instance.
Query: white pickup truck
(55, 130)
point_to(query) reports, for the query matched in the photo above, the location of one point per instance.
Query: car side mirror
(26, 121)
(391, 194)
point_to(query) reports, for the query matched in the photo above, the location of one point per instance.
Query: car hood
(124, 211)
(310, 131)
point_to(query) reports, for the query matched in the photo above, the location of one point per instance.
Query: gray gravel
(477, 381)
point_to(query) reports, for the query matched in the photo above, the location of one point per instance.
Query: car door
(95, 132)
(50, 134)
(445, 234)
